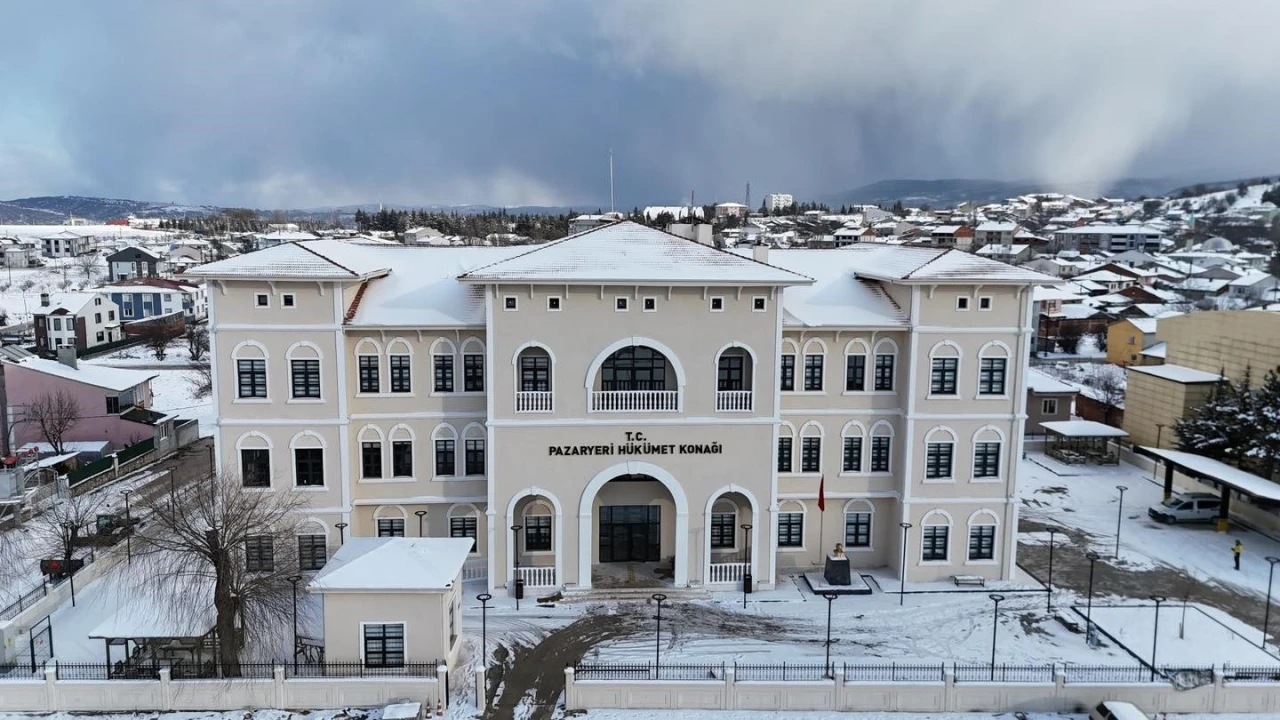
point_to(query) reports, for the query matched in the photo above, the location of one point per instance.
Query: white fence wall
(53, 695)
(947, 696)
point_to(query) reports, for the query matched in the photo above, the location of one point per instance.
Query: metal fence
(782, 672)
(894, 672)
(985, 672)
(1250, 673)
(211, 671)
(647, 671)
(1103, 674)
(24, 601)
(103, 671)
(20, 671)
(355, 669)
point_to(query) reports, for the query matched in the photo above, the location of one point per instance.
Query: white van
(1190, 507)
(1117, 710)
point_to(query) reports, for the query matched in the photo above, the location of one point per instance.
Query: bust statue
(838, 551)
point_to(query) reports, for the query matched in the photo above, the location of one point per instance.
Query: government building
(627, 405)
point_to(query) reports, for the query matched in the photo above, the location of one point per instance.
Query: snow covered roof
(1176, 373)
(1110, 230)
(1250, 278)
(72, 302)
(1082, 428)
(628, 252)
(306, 260)
(1039, 381)
(997, 227)
(1238, 479)
(996, 249)
(924, 264)
(287, 236)
(423, 289)
(1159, 350)
(946, 229)
(837, 298)
(1042, 294)
(1104, 276)
(1147, 326)
(1078, 311)
(114, 379)
(394, 564)
(186, 613)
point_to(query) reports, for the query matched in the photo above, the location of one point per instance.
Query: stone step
(632, 594)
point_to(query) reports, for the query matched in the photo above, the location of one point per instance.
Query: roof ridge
(930, 261)
(326, 259)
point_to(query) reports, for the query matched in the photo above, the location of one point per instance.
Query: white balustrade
(475, 569)
(635, 400)
(734, 400)
(534, 401)
(726, 572)
(537, 575)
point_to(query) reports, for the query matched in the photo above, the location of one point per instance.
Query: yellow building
(1127, 338)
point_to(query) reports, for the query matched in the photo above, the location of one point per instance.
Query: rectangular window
(884, 372)
(986, 459)
(991, 376)
(934, 543)
(649, 304)
(880, 454)
(857, 529)
(813, 373)
(463, 527)
(384, 645)
(791, 529)
(255, 467)
(535, 373)
(369, 381)
(259, 555)
(855, 373)
(252, 378)
(401, 374)
(787, 373)
(474, 459)
(443, 370)
(962, 303)
(306, 378)
(937, 460)
(97, 318)
(553, 303)
(100, 336)
(57, 323)
(391, 527)
(445, 460)
(984, 303)
(537, 533)
(784, 454)
(287, 300)
(113, 405)
(620, 304)
(717, 304)
(510, 302)
(943, 379)
(308, 466)
(810, 454)
(723, 530)
(261, 300)
(401, 458)
(473, 372)
(852, 455)
(759, 304)
(982, 542)
(370, 459)
(729, 374)
(313, 552)
(1049, 406)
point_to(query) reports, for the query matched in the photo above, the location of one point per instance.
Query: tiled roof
(313, 259)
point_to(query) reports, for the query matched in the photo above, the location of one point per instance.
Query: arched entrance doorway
(633, 528)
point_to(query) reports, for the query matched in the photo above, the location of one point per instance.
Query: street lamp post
(1119, 518)
(293, 580)
(1092, 557)
(484, 599)
(1155, 635)
(995, 626)
(128, 527)
(746, 571)
(515, 550)
(657, 638)
(902, 569)
(421, 514)
(830, 598)
(1049, 602)
(342, 534)
(1266, 614)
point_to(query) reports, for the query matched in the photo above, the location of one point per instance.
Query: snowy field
(171, 389)
(1200, 637)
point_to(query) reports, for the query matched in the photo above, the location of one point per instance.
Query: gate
(41, 636)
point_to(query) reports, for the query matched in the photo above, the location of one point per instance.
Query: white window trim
(988, 352)
(235, 373)
(945, 435)
(405, 636)
(544, 510)
(558, 299)
(999, 437)
(991, 303)
(645, 300)
(959, 358)
(949, 524)
(962, 303)
(994, 521)
(293, 299)
(1044, 406)
(866, 507)
(256, 297)
(761, 299)
(868, 370)
(785, 507)
(864, 460)
(271, 459)
(510, 299)
(711, 303)
(622, 300)
(293, 462)
(438, 433)
(734, 547)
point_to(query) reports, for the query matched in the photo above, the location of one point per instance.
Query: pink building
(114, 404)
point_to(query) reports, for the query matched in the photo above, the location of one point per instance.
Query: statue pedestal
(837, 571)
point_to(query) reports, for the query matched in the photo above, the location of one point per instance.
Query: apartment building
(628, 397)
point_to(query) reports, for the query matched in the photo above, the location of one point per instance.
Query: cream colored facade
(588, 460)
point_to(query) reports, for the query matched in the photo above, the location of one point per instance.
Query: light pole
(128, 527)
(830, 598)
(1049, 603)
(342, 534)
(746, 571)
(657, 638)
(421, 514)
(1266, 614)
(995, 626)
(1155, 635)
(902, 570)
(293, 580)
(515, 549)
(1119, 517)
(484, 599)
(1092, 557)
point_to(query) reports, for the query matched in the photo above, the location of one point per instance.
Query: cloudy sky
(308, 103)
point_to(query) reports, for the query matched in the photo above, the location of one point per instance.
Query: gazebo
(1080, 442)
(153, 637)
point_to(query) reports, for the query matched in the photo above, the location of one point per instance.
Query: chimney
(67, 356)
(44, 299)
(760, 253)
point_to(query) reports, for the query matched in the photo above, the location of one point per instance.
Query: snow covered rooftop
(627, 252)
(997, 249)
(1110, 230)
(1159, 350)
(423, 289)
(1082, 428)
(393, 564)
(1176, 373)
(114, 379)
(1043, 294)
(305, 260)
(1146, 325)
(997, 227)
(924, 264)
(1207, 467)
(72, 302)
(837, 298)
(1042, 382)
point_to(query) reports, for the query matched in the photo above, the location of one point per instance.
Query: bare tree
(200, 380)
(1108, 383)
(87, 264)
(197, 342)
(157, 335)
(1100, 339)
(230, 547)
(67, 521)
(54, 413)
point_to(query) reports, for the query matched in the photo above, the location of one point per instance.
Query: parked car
(1191, 507)
(1117, 710)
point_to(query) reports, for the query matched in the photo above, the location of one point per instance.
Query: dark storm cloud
(317, 103)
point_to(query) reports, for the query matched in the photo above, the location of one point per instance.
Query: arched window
(635, 367)
(858, 516)
(852, 440)
(400, 365)
(464, 521)
(881, 446)
(786, 446)
(811, 447)
(537, 520)
(945, 370)
(735, 368)
(444, 441)
(254, 449)
(988, 442)
(389, 520)
(791, 524)
(369, 365)
(401, 451)
(993, 364)
(304, 371)
(442, 359)
(983, 530)
(935, 540)
(472, 365)
(312, 537)
(370, 439)
(886, 352)
(856, 354)
(308, 459)
(473, 437)
(787, 366)
(535, 368)
(815, 355)
(251, 370)
(724, 525)
(939, 454)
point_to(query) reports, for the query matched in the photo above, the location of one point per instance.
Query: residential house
(731, 209)
(1253, 286)
(1109, 279)
(1197, 288)
(1000, 233)
(18, 254)
(1127, 338)
(134, 262)
(278, 237)
(1110, 238)
(66, 243)
(583, 223)
(959, 237)
(1012, 254)
(1048, 400)
(146, 297)
(850, 235)
(76, 319)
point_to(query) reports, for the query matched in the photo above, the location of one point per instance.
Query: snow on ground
(172, 392)
(342, 714)
(776, 715)
(1198, 638)
(135, 356)
(20, 288)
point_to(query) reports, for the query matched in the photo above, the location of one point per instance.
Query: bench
(969, 580)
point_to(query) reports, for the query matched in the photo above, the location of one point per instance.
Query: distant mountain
(53, 209)
(948, 193)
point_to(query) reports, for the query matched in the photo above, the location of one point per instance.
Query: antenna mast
(748, 200)
(611, 202)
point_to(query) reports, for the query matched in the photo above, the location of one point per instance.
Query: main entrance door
(630, 533)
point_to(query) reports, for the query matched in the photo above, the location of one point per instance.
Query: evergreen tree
(1206, 431)
(1265, 425)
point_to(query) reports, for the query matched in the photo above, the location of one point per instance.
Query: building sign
(635, 443)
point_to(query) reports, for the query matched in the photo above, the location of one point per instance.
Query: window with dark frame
(730, 373)
(991, 374)
(287, 300)
(982, 542)
(510, 302)
(855, 373)
(984, 303)
(313, 552)
(1049, 406)
(759, 304)
(255, 467)
(306, 378)
(308, 466)
(986, 459)
(787, 373)
(535, 373)
(251, 377)
(852, 456)
(371, 459)
(723, 530)
(261, 300)
(942, 380)
(650, 304)
(464, 527)
(537, 533)
(813, 373)
(811, 454)
(620, 304)
(259, 554)
(553, 302)
(369, 380)
(113, 405)
(784, 454)
(790, 529)
(384, 645)
(442, 369)
(391, 527)
(634, 368)
(880, 447)
(401, 373)
(446, 459)
(473, 372)
(717, 304)
(401, 458)
(884, 371)
(857, 529)
(473, 459)
(937, 459)
(934, 540)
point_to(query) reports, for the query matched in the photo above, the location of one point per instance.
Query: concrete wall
(1224, 340)
(1150, 401)
(425, 618)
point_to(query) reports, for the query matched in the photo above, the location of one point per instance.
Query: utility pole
(611, 199)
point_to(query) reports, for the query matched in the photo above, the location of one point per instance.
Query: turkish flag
(822, 493)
